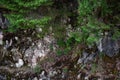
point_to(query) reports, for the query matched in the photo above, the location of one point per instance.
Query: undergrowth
(89, 19)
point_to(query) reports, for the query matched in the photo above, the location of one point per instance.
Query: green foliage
(91, 17)
(76, 35)
(64, 46)
(116, 34)
(91, 27)
(94, 67)
(59, 31)
(65, 70)
(88, 7)
(61, 43)
(19, 22)
(89, 24)
(63, 52)
(19, 11)
(37, 69)
(23, 5)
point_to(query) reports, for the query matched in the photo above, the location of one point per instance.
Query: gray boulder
(3, 22)
(109, 46)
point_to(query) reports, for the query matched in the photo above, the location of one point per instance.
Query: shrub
(88, 21)
(19, 10)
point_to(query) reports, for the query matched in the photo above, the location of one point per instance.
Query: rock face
(1, 38)
(3, 22)
(38, 51)
(109, 46)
